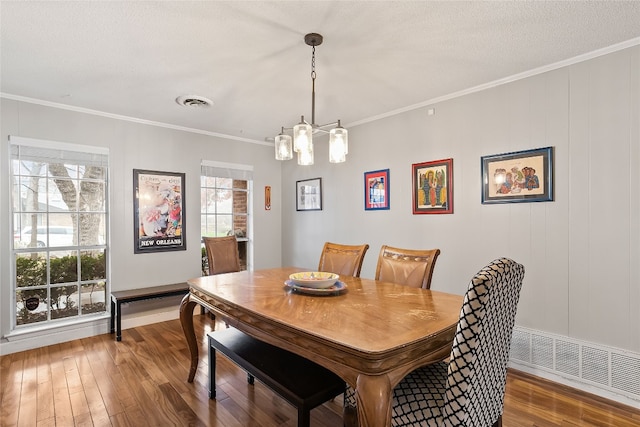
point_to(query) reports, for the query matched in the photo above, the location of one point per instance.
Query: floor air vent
(606, 371)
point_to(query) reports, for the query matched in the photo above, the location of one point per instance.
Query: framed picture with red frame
(376, 190)
(433, 187)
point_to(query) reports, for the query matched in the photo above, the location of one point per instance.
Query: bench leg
(113, 317)
(118, 321)
(212, 372)
(304, 419)
(250, 379)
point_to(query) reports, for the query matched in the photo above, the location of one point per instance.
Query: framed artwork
(433, 187)
(309, 195)
(159, 217)
(521, 176)
(376, 190)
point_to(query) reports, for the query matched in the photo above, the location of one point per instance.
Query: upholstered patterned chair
(469, 389)
(342, 259)
(406, 266)
(222, 254)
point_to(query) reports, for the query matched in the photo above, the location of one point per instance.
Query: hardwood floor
(141, 381)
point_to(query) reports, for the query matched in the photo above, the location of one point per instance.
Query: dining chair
(342, 259)
(468, 389)
(409, 267)
(222, 254)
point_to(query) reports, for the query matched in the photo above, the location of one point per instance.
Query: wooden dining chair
(340, 259)
(409, 267)
(222, 254)
(468, 389)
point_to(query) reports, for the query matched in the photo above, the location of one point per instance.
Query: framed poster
(309, 195)
(159, 217)
(521, 176)
(376, 190)
(433, 187)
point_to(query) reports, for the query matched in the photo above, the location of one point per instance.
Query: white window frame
(235, 171)
(99, 155)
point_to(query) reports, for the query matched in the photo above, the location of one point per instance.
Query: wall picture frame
(159, 214)
(433, 187)
(519, 176)
(309, 194)
(376, 190)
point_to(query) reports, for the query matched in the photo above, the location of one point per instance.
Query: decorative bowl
(314, 279)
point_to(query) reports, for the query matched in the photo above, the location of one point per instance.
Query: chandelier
(302, 141)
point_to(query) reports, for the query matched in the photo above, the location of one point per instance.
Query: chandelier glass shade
(302, 140)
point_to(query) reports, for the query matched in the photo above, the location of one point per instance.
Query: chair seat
(417, 399)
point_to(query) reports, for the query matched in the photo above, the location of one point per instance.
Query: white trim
(505, 80)
(43, 143)
(215, 164)
(127, 119)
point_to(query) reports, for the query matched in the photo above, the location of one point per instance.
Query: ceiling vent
(194, 101)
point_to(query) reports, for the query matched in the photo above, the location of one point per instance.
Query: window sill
(34, 331)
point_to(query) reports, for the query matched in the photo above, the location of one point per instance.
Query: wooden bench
(123, 297)
(299, 381)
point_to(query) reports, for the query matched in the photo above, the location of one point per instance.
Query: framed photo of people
(520, 176)
(433, 187)
(376, 190)
(159, 216)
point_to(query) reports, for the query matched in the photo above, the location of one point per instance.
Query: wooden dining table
(371, 333)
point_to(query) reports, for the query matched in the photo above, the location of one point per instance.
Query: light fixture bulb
(305, 157)
(283, 147)
(302, 136)
(338, 144)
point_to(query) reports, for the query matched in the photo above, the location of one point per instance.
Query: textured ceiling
(135, 58)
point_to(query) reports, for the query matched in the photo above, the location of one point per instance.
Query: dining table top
(369, 316)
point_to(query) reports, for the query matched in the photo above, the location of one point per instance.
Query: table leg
(186, 319)
(373, 395)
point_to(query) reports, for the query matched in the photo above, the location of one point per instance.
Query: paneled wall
(581, 251)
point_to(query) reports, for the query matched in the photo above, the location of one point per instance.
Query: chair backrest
(222, 254)
(342, 259)
(477, 368)
(406, 266)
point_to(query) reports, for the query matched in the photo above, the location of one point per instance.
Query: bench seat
(131, 295)
(299, 381)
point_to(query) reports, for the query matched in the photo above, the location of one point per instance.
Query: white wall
(141, 146)
(581, 252)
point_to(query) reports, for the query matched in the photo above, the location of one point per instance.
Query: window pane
(60, 170)
(31, 306)
(63, 269)
(208, 225)
(30, 194)
(64, 301)
(31, 269)
(88, 173)
(240, 201)
(225, 202)
(62, 195)
(25, 238)
(240, 184)
(93, 265)
(240, 225)
(224, 182)
(223, 225)
(93, 297)
(92, 229)
(210, 206)
(91, 196)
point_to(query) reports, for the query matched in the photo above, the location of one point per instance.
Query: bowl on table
(314, 279)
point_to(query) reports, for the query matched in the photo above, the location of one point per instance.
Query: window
(225, 204)
(59, 205)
